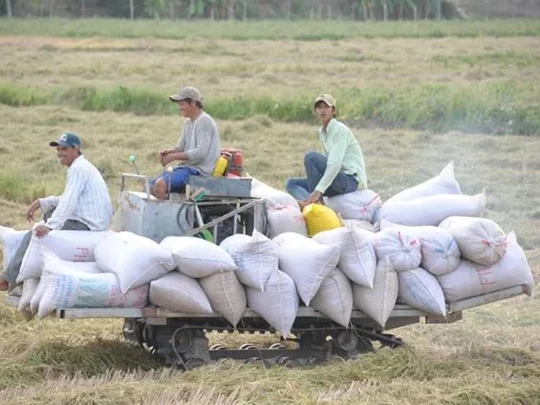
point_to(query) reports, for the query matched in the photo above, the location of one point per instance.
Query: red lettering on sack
(82, 255)
(484, 275)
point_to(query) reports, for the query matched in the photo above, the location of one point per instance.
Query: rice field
(415, 102)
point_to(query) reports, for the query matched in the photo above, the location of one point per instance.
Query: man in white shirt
(198, 148)
(85, 204)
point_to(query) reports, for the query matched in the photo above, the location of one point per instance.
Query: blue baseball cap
(67, 139)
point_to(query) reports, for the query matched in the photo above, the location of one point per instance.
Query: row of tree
(237, 9)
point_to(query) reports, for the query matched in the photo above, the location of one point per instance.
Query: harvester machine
(214, 208)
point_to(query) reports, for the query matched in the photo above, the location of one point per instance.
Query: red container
(236, 162)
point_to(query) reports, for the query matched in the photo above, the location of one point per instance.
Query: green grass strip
(266, 29)
(501, 108)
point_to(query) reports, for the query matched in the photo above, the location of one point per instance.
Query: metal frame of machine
(179, 339)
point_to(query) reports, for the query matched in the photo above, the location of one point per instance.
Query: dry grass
(491, 357)
(254, 68)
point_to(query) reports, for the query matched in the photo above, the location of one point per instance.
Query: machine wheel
(133, 331)
(253, 360)
(287, 362)
(314, 361)
(348, 343)
(247, 346)
(194, 362)
(217, 346)
(182, 341)
(277, 346)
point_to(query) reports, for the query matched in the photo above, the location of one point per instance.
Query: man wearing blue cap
(85, 204)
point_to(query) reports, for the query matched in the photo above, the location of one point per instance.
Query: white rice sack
(357, 257)
(226, 295)
(433, 210)
(306, 261)
(359, 204)
(272, 195)
(444, 183)
(360, 224)
(51, 262)
(440, 252)
(255, 256)
(400, 246)
(177, 292)
(74, 246)
(11, 240)
(36, 298)
(480, 240)
(378, 302)
(420, 289)
(29, 289)
(278, 304)
(72, 289)
(334, 298)
(197, 257)
(286, 218)
(136, 260)
(472, 279)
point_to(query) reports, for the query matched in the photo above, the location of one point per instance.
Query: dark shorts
(177, 178)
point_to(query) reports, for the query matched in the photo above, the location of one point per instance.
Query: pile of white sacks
(432, 248)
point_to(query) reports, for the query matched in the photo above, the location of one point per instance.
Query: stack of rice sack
(126, 270)
(491, 260)
(79, 269)
(270, 291)
(432, 249)
(443, 251)
(76, 269)
(337, 260)
(429, 203)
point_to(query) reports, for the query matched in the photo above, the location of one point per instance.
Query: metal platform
(180, 339)
(156, 312)
(158, 316)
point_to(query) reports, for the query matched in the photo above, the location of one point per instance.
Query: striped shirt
(85, 198)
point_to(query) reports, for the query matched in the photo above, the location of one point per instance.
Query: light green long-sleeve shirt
(344, 154)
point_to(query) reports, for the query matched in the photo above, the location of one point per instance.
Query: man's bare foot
(4, 285)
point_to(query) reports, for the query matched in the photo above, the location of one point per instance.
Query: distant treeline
(236, 9)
